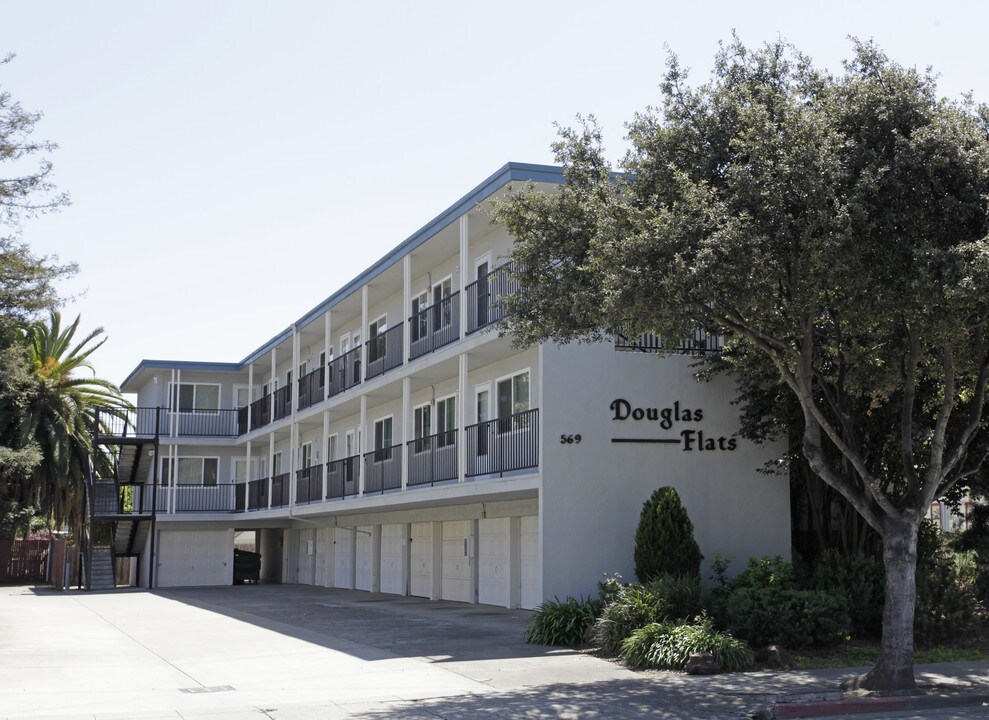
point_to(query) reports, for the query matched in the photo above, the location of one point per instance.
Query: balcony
(700, 343)
(484, 295)
(201, 423)
(383, 469)
(345, 371)
(311, 388)
(503, 445)
(147, 422)
(283, 402)
(254, 495)
(342, 477)
(261, 412)
(434, 327)
(199, 498)
(384, 352)
(280, 490)
(309, 484)
(432, 459)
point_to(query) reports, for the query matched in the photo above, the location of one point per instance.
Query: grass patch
(854, 653)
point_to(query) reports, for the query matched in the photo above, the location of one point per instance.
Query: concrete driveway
(300, 653)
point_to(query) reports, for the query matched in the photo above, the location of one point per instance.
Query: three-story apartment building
(390, 440)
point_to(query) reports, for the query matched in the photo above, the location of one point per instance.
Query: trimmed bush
(794, 618)
(666, 646)
(664, 539)
(564, 622)
(633, 608)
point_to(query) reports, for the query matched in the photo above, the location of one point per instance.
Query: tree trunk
(894, 668)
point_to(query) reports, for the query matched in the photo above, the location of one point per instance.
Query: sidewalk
(301, 653)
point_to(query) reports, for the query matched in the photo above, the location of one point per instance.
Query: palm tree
(60, 417)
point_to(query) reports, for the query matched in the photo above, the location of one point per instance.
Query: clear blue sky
(232, 163)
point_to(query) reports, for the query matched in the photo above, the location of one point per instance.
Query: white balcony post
(406, 305)
(250, 398)
(271, 464)
(272, 384)
(173, 425)
(362, 445)
(293, 391)
(464, 260)
(326, 449)
(406, 424)
(328, 353)
(462, 419)
(364, 335)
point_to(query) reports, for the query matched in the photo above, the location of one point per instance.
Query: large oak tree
(836, 224)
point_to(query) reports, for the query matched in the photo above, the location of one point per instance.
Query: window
(376, 339)
(422, 423)
(276, 465)
(420, 319)
(382, 439)
(512, 399)
(191, 471)
(331, 448)
(242, 396)
(195, 397)
(446, 421)
(305, 456)
(441, 304)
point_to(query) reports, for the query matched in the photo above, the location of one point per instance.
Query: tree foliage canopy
(834, 225)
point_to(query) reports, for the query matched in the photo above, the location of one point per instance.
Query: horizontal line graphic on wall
(672, 441)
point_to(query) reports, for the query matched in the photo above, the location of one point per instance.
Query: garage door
(365, 557)
(493, 557)
(199, 557)
(531, 592)
(456, 561)
(393, 559)
(421, 571)
(343, 558)
(324, 556)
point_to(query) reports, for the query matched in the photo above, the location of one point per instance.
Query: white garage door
(198, 557)
(532, 586)
(493, 557)
(343, 558)
(324, 557)
(456, 561)
(365, 557)
(393, 559)
(421, 571)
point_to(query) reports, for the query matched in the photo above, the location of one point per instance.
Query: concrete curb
(799, 707)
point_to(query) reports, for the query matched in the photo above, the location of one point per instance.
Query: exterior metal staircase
(101, 570)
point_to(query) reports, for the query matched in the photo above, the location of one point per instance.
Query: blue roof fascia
(182, 365)
(510, 172)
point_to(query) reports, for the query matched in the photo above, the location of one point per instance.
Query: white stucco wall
(593, 491)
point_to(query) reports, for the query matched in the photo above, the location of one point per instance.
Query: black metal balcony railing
(434, 327)
(311, 388)
(201, 423)
(242, 414)
(309, 484)
(484, 295)
(345, 371)
(257, 494)
(341, 477)
(384, 352)
(134, 422)
(700, 343)
(432, 459)
(199, 498)
(503, 445)
(283, 402)
(261, 412)
(280, 490)
(383, 469)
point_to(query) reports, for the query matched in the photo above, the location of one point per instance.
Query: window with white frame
(191, 471)
(512, 397)
(376, 339)
(422, 424)
(382, 439)
(420, 319)
(444, 310)
(195, 397)
(446, 421)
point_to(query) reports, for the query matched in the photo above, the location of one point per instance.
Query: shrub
(561, 623)
(678, 597)
(609, 588)
(716, 600)
(667, 646)
(766, 572)
(860, 579)
(794, 618)
(947, 606)
(633, 608)
(664, 539)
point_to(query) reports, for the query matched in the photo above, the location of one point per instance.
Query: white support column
(272, 383)
(247, 477)
(250, 395)
(173, 429)
(271, 464)
(326, 443)
(293, 450)
(328, 350)
(362, 443)
(407, 432)
(406, 305)
(296, 351)
(464, 263)
(462, 419)
(364, 337)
